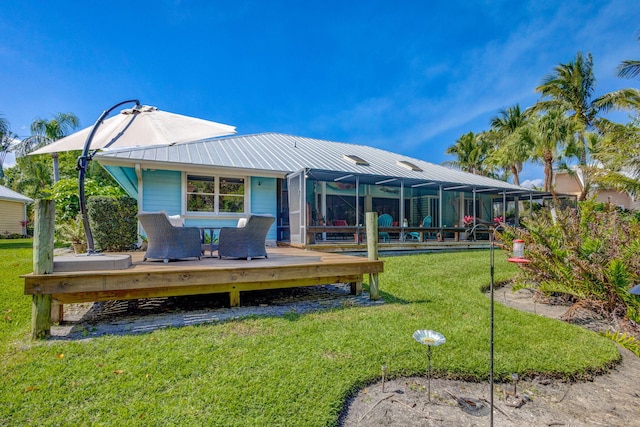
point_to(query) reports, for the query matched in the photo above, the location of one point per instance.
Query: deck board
(285, 267)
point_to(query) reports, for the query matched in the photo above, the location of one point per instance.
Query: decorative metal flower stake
(429, 338)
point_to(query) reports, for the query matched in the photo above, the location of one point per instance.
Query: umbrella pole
(83, 163)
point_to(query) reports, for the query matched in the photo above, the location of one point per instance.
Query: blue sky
(407, 76)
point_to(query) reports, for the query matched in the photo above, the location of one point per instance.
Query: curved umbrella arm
(83, 162)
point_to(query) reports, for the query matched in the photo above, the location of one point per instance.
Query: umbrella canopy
(140, 126)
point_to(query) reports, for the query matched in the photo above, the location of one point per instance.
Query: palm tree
(629, 69)
(471, 152)
(512, 148)
(45, 132)
(570, 88)
(549, 135)
(619, 153)
(7, 139)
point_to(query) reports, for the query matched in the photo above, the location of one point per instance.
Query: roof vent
(355, 159)
(409, 165)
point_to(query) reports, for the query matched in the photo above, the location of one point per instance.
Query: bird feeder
(518, 253)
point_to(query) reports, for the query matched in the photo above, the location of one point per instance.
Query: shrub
(65, 194)
(71, 231)
(592, 254)
(7, 235)
(113, 222)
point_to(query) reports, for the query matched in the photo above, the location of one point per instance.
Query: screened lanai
(327, 206)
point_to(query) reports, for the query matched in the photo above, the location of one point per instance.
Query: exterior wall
(264, 197)
(567, 184)
(11, 213)
(162, 191)
(619, 199)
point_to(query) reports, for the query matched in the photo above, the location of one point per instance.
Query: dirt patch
(612, 399)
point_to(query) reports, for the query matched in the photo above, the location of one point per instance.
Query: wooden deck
(285, 267)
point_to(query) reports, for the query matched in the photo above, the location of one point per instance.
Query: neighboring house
(302, 182)
(572, 182)
(13, 211)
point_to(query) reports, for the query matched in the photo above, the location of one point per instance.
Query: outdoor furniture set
(168, 240)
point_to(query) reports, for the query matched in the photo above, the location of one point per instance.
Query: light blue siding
(162, 191)
(264, 199)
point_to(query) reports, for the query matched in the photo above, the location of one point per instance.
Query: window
(231, 198)
(215, 194)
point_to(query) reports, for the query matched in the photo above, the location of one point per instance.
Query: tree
(44, 132)
(619, 154)
(570, 89)
(549, 135)
(7, 139)
(513, 149)
(471, 152)
(629, 69)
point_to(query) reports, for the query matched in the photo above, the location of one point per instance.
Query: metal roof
(7, 194)
(323, 159)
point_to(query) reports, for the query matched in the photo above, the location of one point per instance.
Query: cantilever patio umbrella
(138, 126)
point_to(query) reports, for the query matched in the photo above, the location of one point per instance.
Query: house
(572, 182)
(305, 182)
(13, 212)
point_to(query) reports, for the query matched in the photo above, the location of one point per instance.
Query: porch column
(401, 210)
(440, 234)
(323, 205)
(357, 201)
(504, 206)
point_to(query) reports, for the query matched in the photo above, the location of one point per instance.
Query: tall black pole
(83, 162)
(491, 252)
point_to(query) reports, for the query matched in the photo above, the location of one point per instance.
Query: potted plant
(73, 232)
(467, 222)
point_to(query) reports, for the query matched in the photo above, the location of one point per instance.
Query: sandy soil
(612, 399)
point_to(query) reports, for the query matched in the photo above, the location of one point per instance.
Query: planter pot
(79, 248)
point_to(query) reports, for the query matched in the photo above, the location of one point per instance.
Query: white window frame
(216, 195)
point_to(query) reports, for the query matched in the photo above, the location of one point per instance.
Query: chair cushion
(242, 222)
(176, 220)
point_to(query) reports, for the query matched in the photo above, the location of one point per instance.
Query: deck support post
(42, 264)
(234, 298)
(356, 288)
(372, 251)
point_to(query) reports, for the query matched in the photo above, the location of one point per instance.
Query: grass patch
(280, 371)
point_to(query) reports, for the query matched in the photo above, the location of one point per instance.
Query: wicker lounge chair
(248, 241)
(167, 242)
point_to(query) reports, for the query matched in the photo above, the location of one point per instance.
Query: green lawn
(292, 371)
